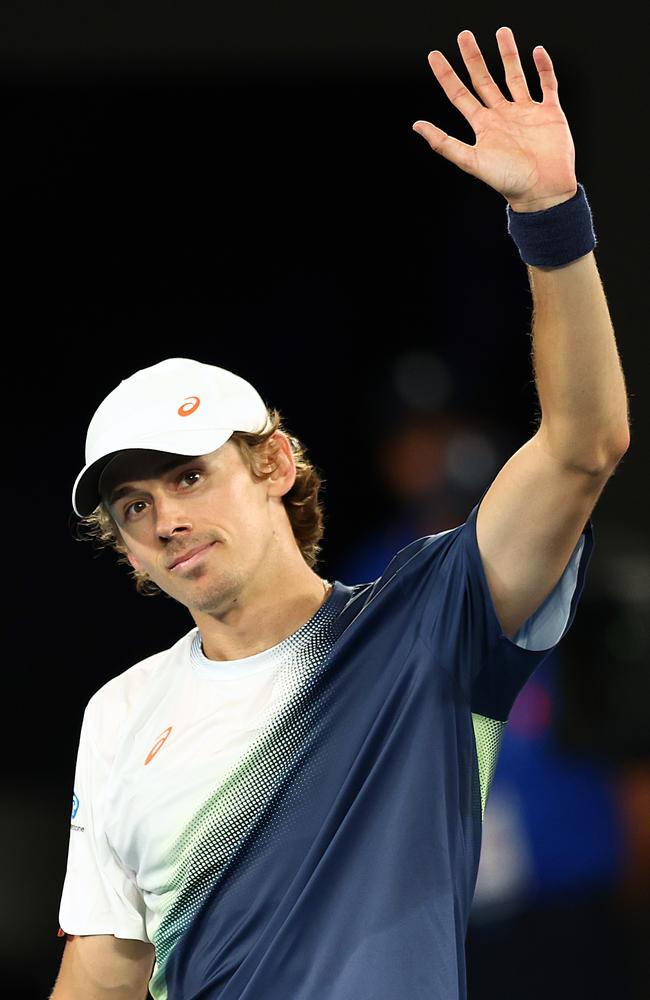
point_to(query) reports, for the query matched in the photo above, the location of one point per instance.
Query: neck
(240, 631)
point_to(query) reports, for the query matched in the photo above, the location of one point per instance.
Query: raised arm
(531, 518)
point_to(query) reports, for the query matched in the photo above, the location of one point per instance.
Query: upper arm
(99, 966)
(528, 524)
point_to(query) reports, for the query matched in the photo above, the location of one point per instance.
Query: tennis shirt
(305, 823)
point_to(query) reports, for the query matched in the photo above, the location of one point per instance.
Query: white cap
(180, 406)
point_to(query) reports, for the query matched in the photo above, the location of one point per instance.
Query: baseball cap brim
(86, 495)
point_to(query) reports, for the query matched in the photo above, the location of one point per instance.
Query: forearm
(524, 150)
(72, 992)
(103, 967)
(578, 372)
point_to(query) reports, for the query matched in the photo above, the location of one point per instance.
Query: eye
(130, 505)
(190, 472)
(134, 503)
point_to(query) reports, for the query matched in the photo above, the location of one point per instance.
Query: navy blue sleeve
(444, 581)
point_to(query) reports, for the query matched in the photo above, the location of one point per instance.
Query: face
(211, 503)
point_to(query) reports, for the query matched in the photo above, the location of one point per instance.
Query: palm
(523, 147)
(518, 149)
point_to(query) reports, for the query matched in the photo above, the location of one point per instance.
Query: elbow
(597, 458)
(608, 456)
(616, 448)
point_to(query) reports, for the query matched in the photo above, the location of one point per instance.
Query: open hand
(523, 147)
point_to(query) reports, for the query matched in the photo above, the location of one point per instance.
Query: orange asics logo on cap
(158, 744)
(189, 405)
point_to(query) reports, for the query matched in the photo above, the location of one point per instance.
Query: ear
(282, 461)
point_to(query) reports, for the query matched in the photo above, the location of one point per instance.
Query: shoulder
(425, 550)
(119, 701)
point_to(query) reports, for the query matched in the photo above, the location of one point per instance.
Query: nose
(171, 519)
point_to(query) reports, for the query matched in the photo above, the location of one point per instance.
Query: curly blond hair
(304, 508)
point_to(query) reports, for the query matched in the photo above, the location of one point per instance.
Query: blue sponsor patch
(75, 805)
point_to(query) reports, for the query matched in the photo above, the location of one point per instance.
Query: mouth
(190, 559)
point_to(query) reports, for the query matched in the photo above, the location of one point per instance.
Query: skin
(523, 147)
(252, 587)
(531, 518)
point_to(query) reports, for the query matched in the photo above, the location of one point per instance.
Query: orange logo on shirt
(189, 405)
(158, 744)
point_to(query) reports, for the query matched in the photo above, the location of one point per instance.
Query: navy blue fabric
(358, 881)
(554, 236)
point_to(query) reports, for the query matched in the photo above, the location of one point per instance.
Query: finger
(453, 86)
(452, 149)
(514, 73)
(480, 76)
(547, 77)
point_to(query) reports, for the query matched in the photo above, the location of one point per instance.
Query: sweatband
(554, 236)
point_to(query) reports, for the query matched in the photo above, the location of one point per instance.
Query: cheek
(134, 561)
(132, 546)
(250, 515)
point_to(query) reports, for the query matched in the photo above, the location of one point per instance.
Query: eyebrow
(175, 463)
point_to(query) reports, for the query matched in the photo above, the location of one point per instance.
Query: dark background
(242, 186)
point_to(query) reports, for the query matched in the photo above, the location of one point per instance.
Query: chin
(210, 595)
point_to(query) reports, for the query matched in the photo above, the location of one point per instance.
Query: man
(287, 803)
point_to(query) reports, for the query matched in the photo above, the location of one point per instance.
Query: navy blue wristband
(554, 236)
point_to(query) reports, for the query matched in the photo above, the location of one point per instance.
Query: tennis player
(287, 803)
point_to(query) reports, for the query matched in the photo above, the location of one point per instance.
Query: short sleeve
(100, 895)
(446, 587)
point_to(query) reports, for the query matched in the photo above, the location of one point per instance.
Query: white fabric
(130, 812)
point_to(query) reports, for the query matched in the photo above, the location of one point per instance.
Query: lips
(188, 555)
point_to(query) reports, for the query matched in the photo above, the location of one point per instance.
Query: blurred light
(532, 711)
(630, 577)
(471, 459)
(422, 381)
(505, 869)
